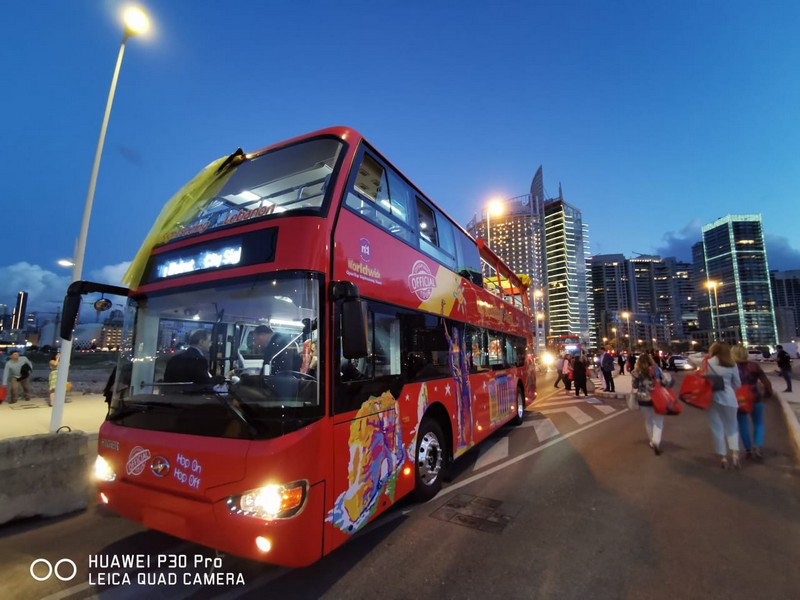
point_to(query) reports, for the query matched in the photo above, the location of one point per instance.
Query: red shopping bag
(745, 397)
(2, 393)
(696, 390)
(664, 401)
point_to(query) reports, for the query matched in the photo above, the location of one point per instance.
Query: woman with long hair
(579, 374)
(722, 412)
(645, 374)
(751, 374)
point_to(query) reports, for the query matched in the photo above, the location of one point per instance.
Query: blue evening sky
(656, 117)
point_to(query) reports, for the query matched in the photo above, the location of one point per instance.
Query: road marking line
(524, 455)
(605, 408)
(490, 453)
(573, 411)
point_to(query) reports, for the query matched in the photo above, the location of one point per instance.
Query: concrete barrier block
(44, 475)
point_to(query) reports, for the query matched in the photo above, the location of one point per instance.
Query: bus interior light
(103, 470)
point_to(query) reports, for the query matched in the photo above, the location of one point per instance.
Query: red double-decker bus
(347, 352)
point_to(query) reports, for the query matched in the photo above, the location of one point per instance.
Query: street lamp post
(713, 285)
(136, 22)
(627, 316)
(537, 298)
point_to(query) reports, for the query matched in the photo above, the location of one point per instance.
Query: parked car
(679, 363)
(756, 355)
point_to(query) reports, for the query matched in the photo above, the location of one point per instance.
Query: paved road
(572, 504)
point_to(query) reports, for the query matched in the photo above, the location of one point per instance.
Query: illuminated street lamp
(627, 316)
(537, 299)
(713, 285)
(496, 207)
(136, 22)
(616, 340)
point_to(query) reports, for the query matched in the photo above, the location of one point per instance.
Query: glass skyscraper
(739, 290)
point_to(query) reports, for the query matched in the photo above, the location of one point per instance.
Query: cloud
(111, 274)
(680, 244)
(45, 288)
(780, 255)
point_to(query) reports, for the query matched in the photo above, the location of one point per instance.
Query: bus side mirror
(69, 314)
(354, 328)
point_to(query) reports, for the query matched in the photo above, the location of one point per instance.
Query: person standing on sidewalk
(621, 363)
(751, 373)
(580, 372)
(785, 367)
(18, 370)
(607, 368)
(722, 412)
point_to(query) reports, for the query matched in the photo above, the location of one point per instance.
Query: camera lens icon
(57, 569)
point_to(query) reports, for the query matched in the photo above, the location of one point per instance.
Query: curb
(792, 424)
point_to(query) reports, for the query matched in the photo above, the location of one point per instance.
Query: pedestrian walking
(645, 374)
(722, 412)
(566, 371)
(18, 371)
(631, 363)
(751, 374)
(579, 374)
(607, 369)
(559, 374)
(621, 363)
(785, 366)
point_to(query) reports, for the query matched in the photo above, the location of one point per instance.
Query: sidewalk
(789, 401)
(86, 412)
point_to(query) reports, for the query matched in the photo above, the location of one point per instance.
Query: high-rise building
(566, 242)
(786, 296)
(517, 236)
(18, 318)
(737, 281)
(547, 241)
(647, 299)
(609, 277)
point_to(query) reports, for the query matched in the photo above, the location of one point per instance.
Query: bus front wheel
(520, 416)
(430, 460)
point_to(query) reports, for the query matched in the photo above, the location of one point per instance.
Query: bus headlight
(103, 470)
(271, 501)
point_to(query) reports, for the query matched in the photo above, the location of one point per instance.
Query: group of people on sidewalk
(573, 371)
(17, 373)
(727, 421)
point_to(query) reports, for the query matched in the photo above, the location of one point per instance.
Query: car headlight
(271, 501)
(103, 470)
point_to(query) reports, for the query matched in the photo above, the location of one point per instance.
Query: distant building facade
(786, 296)
(735, 259)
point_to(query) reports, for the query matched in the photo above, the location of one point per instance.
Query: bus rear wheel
(430, 460)
(520, 416)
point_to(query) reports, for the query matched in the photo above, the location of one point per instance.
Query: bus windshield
(222, 359)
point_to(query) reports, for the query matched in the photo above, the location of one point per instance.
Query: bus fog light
(271, 501)
(103, 470)
(263, 544)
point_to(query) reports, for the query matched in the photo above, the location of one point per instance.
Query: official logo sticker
(421, 281)
(137, 460)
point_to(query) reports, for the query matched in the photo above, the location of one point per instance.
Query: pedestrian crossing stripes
(493, 451)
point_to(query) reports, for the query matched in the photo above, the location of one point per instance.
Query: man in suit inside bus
(191, 365)
(273, 347)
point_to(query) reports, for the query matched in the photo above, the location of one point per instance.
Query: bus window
(427, 225)
(374, 197)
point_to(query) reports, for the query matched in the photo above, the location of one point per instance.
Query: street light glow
(136, 21)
